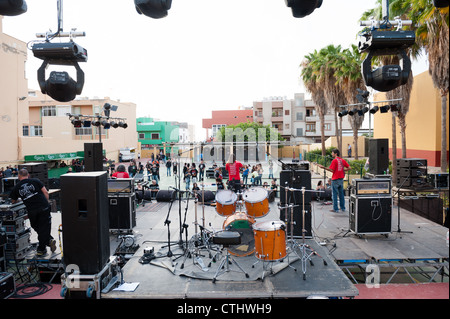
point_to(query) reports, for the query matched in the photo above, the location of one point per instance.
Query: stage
(416, 242)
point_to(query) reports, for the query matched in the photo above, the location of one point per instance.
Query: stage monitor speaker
(122, 212)
(295, 179)
(165, 195)
(209, 196)
(370, 215)
(298, 221)
(93, 157)
(85, 220)
(378, 156)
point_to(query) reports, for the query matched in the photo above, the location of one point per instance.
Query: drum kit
(265, 239)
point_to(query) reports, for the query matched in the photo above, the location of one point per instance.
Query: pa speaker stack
(296, 180)
(38, 171)
(411, 173)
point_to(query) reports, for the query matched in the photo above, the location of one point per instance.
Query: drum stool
(227, 238)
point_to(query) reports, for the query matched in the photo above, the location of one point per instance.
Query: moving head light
(12, 7)
(379, 43)
(303, 8)
(153, 8)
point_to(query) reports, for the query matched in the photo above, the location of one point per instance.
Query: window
(35, 130)
(155, 136)
(49, 110)
(300, 132)
(141, 136)
(25, 130)
(299, 116)
(310, 127)
(327, 126)
(83, 131)
(286, 112)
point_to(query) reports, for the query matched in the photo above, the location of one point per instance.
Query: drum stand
(305, 250)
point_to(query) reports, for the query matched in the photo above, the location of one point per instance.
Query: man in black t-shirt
(35, 198)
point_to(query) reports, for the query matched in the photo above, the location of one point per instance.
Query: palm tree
(312, 80)
(433, 35)
(348, 75)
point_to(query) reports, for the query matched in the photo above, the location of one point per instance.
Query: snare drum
(226, 202)
(256, 201)
(270, 240)
(241, 223)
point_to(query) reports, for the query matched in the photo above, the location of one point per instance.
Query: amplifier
(370, 215)
(411, 172)
(439, 180)
(296, 165)
(121, 185)
(411, 162)
(12, 211)
(412, 182)
(7, 285)
(372, 186)
(14, 226)
(122, 212)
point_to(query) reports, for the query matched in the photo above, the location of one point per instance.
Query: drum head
(226, 197)
(241, 223)
(255, 194)
(269, 225)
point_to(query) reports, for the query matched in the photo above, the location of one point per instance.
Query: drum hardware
(227, 238)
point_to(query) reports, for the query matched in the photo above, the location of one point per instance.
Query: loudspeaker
(412, 163)
(295, 179)
(378, 156)
(209, 196)
(93, 157)
(122, 212)
(85, 220)
(165, 195)
(370, 215)
(298, 220)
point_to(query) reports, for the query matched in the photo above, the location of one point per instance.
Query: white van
(127, 154)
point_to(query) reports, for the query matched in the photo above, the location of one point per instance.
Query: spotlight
(363, 111)
(60, 86)
(395, 107)
(12, 7)
(96, 123)
(114, 124)
(122, 124)
(362, 96)
(153, 8)
(441, 3)
(303, 8)
(76, 123)
(86, 123)
(374, 110)
(343, 113)
(106, 125)
(353, 112)
(385, 108)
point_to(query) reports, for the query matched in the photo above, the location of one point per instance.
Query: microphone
(174, 188)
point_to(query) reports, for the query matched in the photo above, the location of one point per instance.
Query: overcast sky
(205, 55)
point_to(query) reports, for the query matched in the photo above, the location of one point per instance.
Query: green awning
(54, 157)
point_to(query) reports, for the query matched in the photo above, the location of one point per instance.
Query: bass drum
(226, 202)
(241, 223)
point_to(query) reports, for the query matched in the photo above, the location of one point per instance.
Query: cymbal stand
(306, 250)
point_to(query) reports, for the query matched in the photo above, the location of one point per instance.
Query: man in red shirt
(338, 167)
(121, 173)
(233, 168)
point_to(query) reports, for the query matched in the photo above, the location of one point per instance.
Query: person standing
(233, 168)
(338, 167)
(36, 199)
(201, 172)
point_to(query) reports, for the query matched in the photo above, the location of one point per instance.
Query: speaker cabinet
(370, 215)
(295, 179)
(165, 195)
(378, 156)
(297, 217)
(93, 157)
(122, 212)
(85, 220)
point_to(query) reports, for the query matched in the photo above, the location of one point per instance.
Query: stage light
(353, 112)
(114, 124)
(87, 123)
(12, 7)
(123, 125)
(385, 108)
(106, 125)
(153, 8)
(441, 3)
(96, 123)
(374, 110)
(362, 96)
(343, 113)
(364, 110)
(76, 123)
(303, 8)
(395, 107)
